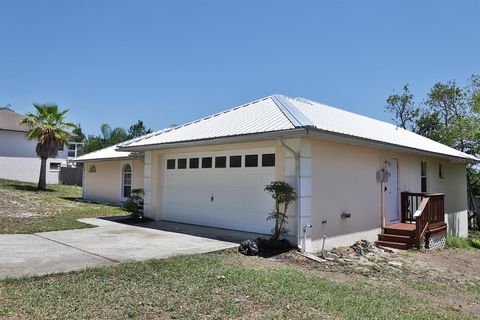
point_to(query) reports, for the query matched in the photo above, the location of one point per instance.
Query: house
(18, 158)
(355, 177)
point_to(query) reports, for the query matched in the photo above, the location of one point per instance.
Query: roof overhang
(130, 157)
(338, 137)
(298, 132)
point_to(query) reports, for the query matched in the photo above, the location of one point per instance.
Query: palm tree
(49, 128)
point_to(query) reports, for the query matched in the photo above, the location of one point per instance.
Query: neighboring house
(349, 171)
(18, 159)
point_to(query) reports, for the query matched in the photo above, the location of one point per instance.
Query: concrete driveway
(110, 242)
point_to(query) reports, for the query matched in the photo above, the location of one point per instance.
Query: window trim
(211, 162)
(230, 161)
(122, 177)
(183, 167)
(220, 167)
(58, 167)
(274, 160)
(190, 162)
(441, 171)
(245, 160)
(174, 164)
(422, 176)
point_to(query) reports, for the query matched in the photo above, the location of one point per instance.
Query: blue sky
(171, 62)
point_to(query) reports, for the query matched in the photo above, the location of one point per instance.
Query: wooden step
(396, 238)
(405, 229)
(395, 245)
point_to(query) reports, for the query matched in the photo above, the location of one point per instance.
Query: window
(207, 162)
(440, 171)
(60, 147)
(171, 164)
(182, 163)
(251, 160)
(221, 162)
(54, 166)
(235, 161)
(126, 181)
(194, 163)
(423, 175)
(92, 169)
(268, 160)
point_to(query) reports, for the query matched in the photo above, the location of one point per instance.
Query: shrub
(134, 203)
(284, 195)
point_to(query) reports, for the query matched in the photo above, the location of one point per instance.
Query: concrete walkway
(110, 242)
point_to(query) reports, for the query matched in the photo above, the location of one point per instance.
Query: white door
(230, 197)
(391, 191)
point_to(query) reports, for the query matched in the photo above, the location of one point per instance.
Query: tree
(284, 195)
(49, 128)
(451, 115)
(78, 135)
(403, 108)
(137, 130)
(117, 135)
(448, 100)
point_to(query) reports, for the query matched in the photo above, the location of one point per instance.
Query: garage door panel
(239, 200)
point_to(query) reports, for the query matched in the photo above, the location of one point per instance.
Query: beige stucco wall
(105, 184)
(344, 180)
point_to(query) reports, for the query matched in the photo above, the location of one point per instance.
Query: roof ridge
(295, 116)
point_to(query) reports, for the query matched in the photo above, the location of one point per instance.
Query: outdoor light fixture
(345, 215)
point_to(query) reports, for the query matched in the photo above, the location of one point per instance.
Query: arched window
(92, 169)
(126, 181)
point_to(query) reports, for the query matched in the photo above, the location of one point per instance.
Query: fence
(71, 176)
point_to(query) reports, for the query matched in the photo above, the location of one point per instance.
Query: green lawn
(222, 285)
(226, 285)
(23, 209)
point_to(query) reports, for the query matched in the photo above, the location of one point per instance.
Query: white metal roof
(256, 117)
(277, 114)
(105, 153)
(330, 119)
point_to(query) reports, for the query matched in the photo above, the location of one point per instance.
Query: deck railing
(426, 210)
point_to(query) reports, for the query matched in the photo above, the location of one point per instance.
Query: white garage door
(220, 189)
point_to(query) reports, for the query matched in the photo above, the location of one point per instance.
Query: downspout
(297, 177)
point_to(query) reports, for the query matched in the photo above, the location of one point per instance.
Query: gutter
(297, 177)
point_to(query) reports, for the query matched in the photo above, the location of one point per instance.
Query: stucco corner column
(305, 196)
(147, 185)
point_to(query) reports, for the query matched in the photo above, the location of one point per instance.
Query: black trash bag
(249, 248)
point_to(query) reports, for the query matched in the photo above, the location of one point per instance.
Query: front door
(391, 191)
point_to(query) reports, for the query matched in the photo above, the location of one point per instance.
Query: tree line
(449, 114)
(109, 136)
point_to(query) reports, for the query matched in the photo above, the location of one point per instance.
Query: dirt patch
(445, 277)
(25, 204)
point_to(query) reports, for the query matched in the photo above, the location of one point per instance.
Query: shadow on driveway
(190, 229)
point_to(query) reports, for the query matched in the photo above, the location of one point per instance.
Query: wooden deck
(422, 217)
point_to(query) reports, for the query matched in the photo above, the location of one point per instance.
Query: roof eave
(384, 145)
(129, 157)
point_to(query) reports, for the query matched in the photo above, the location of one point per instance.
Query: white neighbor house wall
(19, 161)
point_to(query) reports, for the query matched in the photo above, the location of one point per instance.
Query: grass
(23, 209)
(215, 286)
(465, 243)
